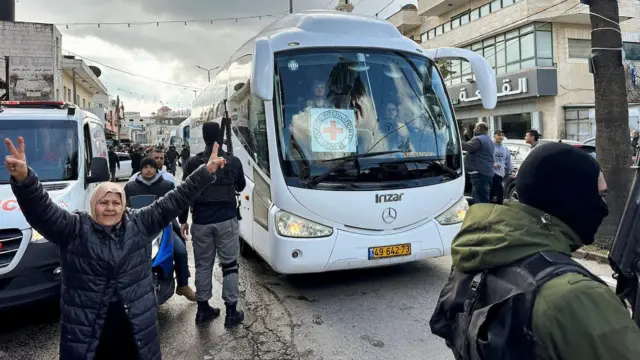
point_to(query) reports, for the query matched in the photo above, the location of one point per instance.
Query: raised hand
(215, 162)
(16, 161)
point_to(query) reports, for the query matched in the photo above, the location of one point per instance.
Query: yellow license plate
(382, 252)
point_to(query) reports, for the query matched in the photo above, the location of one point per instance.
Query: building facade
(539, 51)
(80, 83)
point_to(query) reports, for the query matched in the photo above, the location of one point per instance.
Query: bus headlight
(155, 245)
(454, 214)
(290, 225)
(36, 238)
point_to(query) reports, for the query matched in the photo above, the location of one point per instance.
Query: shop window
(631, 51)
(515, 126)
(578, 126)
(579, 49)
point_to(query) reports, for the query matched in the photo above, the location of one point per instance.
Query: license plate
(382, 252)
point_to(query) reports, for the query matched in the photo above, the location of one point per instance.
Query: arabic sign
(30, 78)
(521, 85)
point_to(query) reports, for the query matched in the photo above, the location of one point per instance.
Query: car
(124, 172)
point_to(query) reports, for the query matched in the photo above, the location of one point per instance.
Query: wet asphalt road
(370, 314)
(378, 313)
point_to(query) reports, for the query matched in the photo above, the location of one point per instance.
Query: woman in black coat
(108, 304)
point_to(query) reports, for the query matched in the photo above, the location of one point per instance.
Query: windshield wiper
(342, 161)
(442, 166)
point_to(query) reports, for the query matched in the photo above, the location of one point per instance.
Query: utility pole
(612, 111)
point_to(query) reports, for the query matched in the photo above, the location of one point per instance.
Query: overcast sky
(169, 52)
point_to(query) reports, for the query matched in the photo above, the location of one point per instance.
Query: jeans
(181, 261)
(497, 190)
(481, 185)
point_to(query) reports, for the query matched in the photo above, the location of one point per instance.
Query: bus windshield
(360, 119)
(51, 147)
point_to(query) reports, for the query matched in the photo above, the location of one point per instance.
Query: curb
(586, 255)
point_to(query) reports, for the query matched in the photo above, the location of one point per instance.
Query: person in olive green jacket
(573, 317)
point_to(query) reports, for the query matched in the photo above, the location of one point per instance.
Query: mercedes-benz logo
(389, 215)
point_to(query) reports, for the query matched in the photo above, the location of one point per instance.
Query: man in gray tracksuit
(479, 163)
(215, 230)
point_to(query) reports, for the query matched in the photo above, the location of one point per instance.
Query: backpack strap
(545, 266)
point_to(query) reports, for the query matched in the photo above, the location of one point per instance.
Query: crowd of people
(485, 310)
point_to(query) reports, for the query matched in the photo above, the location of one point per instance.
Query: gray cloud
(203, 44)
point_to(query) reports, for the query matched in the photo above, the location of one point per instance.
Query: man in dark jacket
(560, 210)
(479, 163)
(171, 156)
(136, 158)
(113, 163)
(215, 230)
(150, 182)
(185, 154)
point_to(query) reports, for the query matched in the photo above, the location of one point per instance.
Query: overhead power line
(130, 73)
(385, 7)
(158, 22)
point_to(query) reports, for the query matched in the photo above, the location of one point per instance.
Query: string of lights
(158, 22)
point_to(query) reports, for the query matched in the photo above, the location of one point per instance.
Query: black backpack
(488, 315)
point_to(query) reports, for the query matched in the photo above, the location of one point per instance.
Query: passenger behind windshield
(51, 144)
(342, 104)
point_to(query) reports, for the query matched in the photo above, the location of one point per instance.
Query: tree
(612, 116)
(445, 68)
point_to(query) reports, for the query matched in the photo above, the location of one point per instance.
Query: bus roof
(318, 28)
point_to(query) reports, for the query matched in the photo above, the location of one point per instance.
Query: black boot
(234, 316)
(206, 312)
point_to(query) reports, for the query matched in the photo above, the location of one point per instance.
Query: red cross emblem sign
(333, 130)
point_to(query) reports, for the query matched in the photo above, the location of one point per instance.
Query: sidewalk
(602, 270)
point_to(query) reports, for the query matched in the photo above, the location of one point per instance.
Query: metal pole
(209, 75)
(290, 6)
(73, 77)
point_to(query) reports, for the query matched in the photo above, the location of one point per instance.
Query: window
(455, 23)
(78, 100)
(579, 49)
(84, 103)
(518, 49)
(496, 5)
(475, 14)
(578, 126)
(631, 51)
(65, 94)
(485, 10)
(258, 131)
(464, 19)
(506, 3)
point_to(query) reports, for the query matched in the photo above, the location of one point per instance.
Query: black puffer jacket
(98, 268)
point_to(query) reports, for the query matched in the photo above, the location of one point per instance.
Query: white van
(67, 148)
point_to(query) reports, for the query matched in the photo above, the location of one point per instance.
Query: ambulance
(66, 147)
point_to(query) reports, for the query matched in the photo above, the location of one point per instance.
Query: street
(371, 314)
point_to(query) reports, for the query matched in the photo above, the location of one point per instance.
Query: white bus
(182, 133)
(348, 141)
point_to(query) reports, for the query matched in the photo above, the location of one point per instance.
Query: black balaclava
(562, 180)
(210, 134)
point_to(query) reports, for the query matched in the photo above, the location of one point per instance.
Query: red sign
(9, 205)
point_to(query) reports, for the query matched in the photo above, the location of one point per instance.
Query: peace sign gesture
(215, 162)
(16, 162)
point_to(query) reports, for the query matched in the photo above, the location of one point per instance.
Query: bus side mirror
(99, 170)
(262, 72)
(486, 79)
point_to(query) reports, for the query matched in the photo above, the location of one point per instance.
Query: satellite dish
(96, 70)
